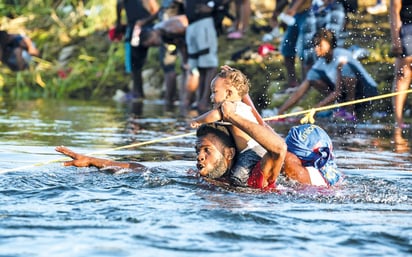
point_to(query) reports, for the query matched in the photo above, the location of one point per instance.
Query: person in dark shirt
(140, 14)
(171, 33)
(16, 50)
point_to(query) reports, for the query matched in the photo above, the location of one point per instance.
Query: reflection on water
(401, 144)
(167, 210)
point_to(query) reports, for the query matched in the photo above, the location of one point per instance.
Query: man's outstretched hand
(79, 160)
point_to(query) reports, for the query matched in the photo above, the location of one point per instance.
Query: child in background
(232, 85)
(16, 50)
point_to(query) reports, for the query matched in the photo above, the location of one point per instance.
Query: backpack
(312, 145)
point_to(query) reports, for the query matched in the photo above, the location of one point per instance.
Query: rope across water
(308, 118)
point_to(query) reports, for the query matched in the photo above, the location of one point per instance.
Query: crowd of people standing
(187, 32)
(336, 73)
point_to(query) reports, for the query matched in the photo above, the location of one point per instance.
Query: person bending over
(16, 50)
(169, 35)
(140, 14)
(336, 75)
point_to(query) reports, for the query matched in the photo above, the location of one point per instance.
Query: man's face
(210, 159)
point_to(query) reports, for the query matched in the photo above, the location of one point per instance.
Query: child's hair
(236, 79)
(325, 34)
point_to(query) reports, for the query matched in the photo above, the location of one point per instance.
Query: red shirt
(256, 179)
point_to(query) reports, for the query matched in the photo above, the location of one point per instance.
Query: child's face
(323, 48)
(219, 91)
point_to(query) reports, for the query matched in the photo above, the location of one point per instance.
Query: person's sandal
(235, 35)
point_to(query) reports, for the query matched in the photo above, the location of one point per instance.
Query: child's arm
(27, 43)
(208, 117)
(247, 100)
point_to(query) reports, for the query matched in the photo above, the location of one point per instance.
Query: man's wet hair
(325, 34)
(219, 130)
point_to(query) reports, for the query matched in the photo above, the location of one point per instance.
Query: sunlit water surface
(50, 210)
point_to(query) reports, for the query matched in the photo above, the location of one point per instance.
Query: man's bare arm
(81, 160)
(274, 144)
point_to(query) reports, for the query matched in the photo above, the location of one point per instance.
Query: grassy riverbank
(79, 61)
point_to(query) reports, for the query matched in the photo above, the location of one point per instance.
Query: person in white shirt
(336, 75)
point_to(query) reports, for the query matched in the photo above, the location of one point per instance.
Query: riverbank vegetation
(79, 61)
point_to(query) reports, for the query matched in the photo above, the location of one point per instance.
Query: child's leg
(245, 162)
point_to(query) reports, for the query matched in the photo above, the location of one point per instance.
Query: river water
(50, 210)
